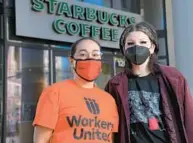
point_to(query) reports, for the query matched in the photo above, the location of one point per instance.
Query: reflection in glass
(1, 89)
(162, 47)
(107, 3)
(162, 61)
(27, 75)
(104, 76)
(119, 64)
(133, 6)
(62, 68)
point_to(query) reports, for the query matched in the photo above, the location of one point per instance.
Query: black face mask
(137, 54)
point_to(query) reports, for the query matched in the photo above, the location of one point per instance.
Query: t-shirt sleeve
(47, 108)
(115, 117)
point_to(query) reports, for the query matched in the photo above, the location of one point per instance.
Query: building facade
(35, 40)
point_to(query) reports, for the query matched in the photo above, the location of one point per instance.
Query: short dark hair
(74, 45)
(144, 27)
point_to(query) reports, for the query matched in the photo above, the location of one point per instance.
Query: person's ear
(71, 60)
(152, 49)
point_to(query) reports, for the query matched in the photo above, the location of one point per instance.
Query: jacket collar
(126, 74)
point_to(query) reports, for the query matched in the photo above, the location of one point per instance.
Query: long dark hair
(150, 31)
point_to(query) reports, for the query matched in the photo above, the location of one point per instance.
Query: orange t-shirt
(76, 114)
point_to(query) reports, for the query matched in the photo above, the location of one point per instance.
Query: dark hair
(74, 45)
(144, 27)
(150, 31)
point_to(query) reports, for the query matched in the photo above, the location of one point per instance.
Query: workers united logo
(90, 128)
(92, 106)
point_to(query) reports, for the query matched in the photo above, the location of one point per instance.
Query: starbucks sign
(67, 21)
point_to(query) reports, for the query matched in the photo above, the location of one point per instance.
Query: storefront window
(9, 3)
(107, 3)
(154, 13)
(1, 90)
(133, 6)
(162, 47)
(107, 69)
(1, 27)
(119, 64)
(27, 76)
(163, 61)
(1, 68)
(105, 75)
(62, 68)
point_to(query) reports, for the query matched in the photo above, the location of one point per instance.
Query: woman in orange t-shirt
(75, 110)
